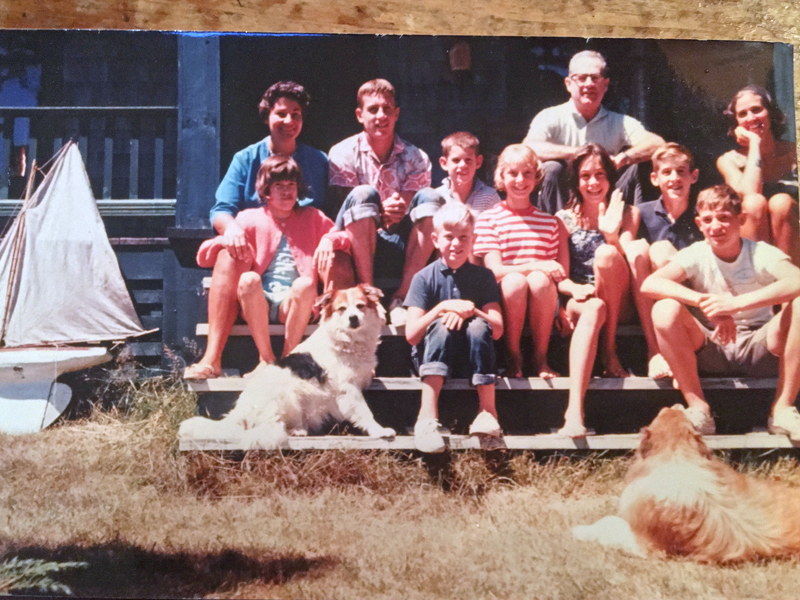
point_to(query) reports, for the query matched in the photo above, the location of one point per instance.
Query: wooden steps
(240, 330)
(629, 441)
(410, 384)
(512, 394)
(527, 406)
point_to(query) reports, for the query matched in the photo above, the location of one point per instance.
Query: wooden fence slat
(5, 165)
(108, 158)
(32, 147)
(148, 296)
(158, 169)
(141, 265)
(83, 144)
(133, 182)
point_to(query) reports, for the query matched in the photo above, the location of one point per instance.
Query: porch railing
(130, 153)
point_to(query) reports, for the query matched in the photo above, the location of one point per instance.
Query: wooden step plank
(236, 384)
(241, 330)
(279, 330)
(629, 441)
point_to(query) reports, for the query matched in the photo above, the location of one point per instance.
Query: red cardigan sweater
(304, 229)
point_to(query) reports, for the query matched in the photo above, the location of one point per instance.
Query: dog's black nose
(354, 322)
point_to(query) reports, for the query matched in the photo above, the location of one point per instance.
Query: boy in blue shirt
(667, 225)
(454, 316)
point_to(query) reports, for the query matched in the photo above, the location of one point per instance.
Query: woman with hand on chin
(763, 170)
(599, 225)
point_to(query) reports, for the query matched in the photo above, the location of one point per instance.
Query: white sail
(66, 285)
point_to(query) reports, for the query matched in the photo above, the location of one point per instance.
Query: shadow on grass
(119, 570)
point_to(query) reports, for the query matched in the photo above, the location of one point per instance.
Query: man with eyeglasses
(558, 131)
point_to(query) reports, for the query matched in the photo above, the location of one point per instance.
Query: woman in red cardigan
(289, 248)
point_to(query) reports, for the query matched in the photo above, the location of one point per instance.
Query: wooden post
(198, 176)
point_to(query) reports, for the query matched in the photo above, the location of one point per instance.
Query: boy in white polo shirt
(714, 312)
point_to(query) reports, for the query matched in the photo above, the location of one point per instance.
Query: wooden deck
(531, 405)
(236, 384)
(629, 441)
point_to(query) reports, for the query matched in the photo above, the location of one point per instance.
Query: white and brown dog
(323, 377)
(681, 501)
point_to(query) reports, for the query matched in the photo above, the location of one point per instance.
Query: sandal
(199, 371)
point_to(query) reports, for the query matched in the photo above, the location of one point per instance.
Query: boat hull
(30, 397)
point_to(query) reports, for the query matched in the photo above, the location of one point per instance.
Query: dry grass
(112, 496)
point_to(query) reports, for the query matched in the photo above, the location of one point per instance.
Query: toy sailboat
(60, 285)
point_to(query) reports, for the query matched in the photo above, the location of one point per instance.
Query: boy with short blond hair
(713, 312)
(454, 317)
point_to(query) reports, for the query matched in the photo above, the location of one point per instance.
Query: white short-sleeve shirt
(564, 125)
(753, 269)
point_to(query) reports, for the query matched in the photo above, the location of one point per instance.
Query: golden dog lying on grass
(682, 501)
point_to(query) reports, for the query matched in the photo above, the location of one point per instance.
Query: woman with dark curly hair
(598, 287)
(763, 170)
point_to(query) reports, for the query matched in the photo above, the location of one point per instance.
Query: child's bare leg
(755, 209)
(543, 304)
(222, 308)
(679, 337)
(785, 225)
(255, 311)
(661, 253)
(419, 250)
(638, 255)
(362, 234)
(486, 398)
(429, 405)
(340, 274)
(783, 339)
(590, 316)
(296, 311)
(612, 284)
(514, 289)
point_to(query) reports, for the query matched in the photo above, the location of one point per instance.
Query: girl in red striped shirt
(527, 251)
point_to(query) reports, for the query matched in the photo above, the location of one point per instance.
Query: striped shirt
(480, 199)
(519, 236)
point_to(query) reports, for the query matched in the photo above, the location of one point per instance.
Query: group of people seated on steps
(564, 241)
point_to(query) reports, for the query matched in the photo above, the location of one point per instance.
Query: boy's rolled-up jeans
(466, 352)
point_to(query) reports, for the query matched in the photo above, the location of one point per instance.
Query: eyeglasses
(582, 77)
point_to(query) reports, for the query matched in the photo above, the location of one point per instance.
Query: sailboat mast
(18, 237)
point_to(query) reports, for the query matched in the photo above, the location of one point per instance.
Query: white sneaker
(702, 421)
(786, 422)
(485, 424)
(397, 313)
(427, 437)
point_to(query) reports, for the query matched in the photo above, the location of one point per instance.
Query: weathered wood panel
(757, 20)
(411, 384)
(628, 441)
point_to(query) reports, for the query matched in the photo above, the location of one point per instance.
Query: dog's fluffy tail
(613, 532)
(267, 436)
(200, 428)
